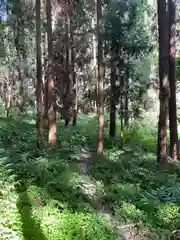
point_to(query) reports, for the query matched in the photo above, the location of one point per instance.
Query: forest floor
(70, 193)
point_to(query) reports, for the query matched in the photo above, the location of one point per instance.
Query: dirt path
(84, 160)
(89, 187)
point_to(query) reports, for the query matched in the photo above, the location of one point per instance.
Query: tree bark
(67, 79)
(162, 156)
(100, 78)
(20, 49)
(7, 104)
(112, 130)
(51, 81)
(39, 77)
(45, 116)
(172, 82)
(126, 97)
(45, 68)
(94, 43)
(121, 110)
(74, 113)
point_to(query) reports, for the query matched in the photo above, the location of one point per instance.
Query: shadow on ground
(30, 227)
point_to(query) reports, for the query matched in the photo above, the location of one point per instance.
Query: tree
(74, 111)
(172, 82)
(100, 78)
(39, 77)
(18, 24)
(67, 73)
(45, 66)
(163, 81)
(121, 110)
(51, 81)
(112, 129)
(126, 104)
(125, 23)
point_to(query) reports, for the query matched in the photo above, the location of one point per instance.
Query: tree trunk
(7, 103)
(126, 97)
(45, 115)
(51, 82)
(39, 78)
(66, 122)
(121, 111)
(172, 82)
(112, 130)
(162, 157)
(20, 49)
(100, 78)
(94, 43)
(45, 68)
(6, 110)
(67, 79)
(74, 114)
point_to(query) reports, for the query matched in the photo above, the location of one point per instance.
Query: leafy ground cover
(45, 196)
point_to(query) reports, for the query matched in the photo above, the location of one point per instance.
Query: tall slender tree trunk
(45, 116)
(45, 68)
(7, 107)
(121, 110)
(7, 97)
(100, 78)
(39, 77)
(67, 80)
(94, 46)
(21, 51)
(51, 81)
(163, 80)
(74, 113)
(172, 82)
(126, 97)
(112, 130)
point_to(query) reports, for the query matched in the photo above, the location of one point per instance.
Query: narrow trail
(84, 160)
(124, 232)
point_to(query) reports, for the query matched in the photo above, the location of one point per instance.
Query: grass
(44, 195)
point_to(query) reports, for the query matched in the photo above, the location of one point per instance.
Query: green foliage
(141, 135)
(127, 22)
(82, 226)
(45, 191)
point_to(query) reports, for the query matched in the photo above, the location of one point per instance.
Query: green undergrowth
(43, 194)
